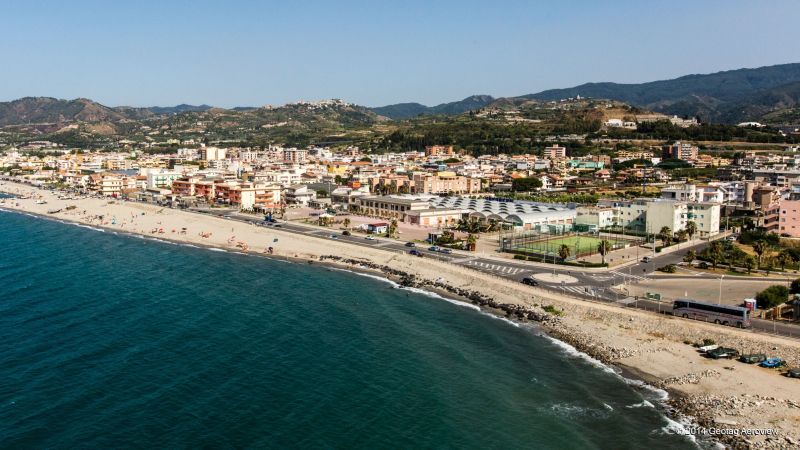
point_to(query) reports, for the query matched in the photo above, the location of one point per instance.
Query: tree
(691, 229)
(564, 252)
(749, 262)
(665, 235)
(603, 248)
(681, 235)
(391, 230)
(691, 255)
(785, 257)
(795, 287)
(525, 184)
(760, 246)
(472, 242)
(714, 253)
(346, 222)
(772, 296)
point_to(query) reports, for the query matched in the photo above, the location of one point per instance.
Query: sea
(114, 341)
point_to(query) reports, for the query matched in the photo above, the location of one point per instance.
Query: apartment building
(680, 150)
(789, 218)
(555, 152)
(295, 155)
(439, 150)
(444, 183)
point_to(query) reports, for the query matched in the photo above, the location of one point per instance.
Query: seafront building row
(438, 187)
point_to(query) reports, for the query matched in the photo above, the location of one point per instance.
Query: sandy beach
(717, 394)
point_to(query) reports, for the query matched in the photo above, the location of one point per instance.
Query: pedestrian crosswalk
(628, 275)
(498, 268)
(579, 290)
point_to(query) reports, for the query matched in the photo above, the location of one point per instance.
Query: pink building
(789, 218)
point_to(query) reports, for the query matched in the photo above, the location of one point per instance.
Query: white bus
(734, 316)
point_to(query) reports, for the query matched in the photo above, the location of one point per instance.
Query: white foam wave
(675, 427)
(215, 249)
(643, 404)
(572, 351)
(87, 227)
(413, 289)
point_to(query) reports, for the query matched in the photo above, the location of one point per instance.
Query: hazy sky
(240, 52)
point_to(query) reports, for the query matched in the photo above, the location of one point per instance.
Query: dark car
(793, 373)
(277, 225)
(754, 358)
(529, 281)
(723, 353)
(410, 244)
(415, 253)
(345, 233)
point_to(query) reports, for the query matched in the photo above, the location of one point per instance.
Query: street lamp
(719, 300)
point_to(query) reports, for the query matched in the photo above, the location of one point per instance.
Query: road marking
(635, 277)
(507, 270)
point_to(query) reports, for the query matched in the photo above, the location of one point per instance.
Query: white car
(370, 238)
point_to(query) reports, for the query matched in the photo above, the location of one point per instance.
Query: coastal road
(589, 285)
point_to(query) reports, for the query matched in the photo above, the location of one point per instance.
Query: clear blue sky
(240, 52)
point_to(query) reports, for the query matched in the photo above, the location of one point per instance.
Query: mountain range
(770, 94)
(730, 96)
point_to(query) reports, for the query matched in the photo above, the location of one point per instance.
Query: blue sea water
(111, 341)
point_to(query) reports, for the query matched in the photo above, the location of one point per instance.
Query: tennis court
(578, 245)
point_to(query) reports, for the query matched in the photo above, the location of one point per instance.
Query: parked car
(415, 253)
(346, 233)
(529, 281)
(731, 238)
(723, 353)
(754, 358)
(410, 244)
(708, 348)
(370, 237)
(647, 259)
(793, 373)
(434, 248)
(333, 236)
(771, 363)
(446, 251)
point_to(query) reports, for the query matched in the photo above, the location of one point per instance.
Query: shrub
(708, 341)
(553, 310)
(669, 268)
(519, 257)
(703, 265)
(772, 296)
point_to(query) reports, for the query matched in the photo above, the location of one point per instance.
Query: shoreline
(677, 406)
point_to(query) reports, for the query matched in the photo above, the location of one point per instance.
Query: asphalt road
(590, 285)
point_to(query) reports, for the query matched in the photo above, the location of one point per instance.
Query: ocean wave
(643, 404)
(574, 352)
(87, 227)
(215, 249)
(415, 290)
(674, 427)
(575, 411)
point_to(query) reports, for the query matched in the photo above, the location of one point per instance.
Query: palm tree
(391, 231)
(681, 235)
(665, 235)
(472, 242)
(760, 246)
(691, 229)
(603, 248)
(691, 255)
(346, 222)
(564, 252)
